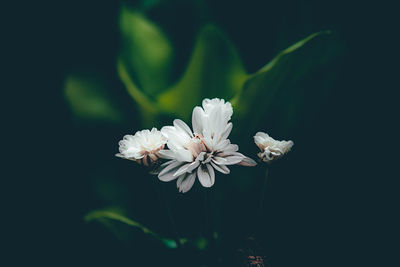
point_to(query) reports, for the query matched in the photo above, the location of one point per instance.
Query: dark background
(322, 215)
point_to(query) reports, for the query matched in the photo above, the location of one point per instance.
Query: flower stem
(209, 217)
(264, 189)
(206, 213)
(164, 200)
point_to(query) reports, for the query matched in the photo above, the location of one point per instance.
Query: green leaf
(147, 107)
(278, 82)
(214, 70)
(99, 215)
(146, 53)
(88, 99)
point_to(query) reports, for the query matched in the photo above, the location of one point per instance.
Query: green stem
(160, 192)
(264, 189)
(206, 213)
(209, 216)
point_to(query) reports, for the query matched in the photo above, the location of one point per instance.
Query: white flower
(143, 147)
(271, 149)
(198, 153)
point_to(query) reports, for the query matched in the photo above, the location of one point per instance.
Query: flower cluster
(197, 152)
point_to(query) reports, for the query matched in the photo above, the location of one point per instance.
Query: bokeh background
(312, 207)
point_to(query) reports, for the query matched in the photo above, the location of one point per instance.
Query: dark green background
(319, 199)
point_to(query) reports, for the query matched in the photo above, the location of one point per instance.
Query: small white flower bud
(271, 149)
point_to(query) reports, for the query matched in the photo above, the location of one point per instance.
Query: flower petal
(166, 154)
(248, 162)
(120, 155)
(182, 125)
(221, 145)
(185, 182)
(219, 160)
(227, 131)
(186, 168)
(198, 117)
(177, 137)
(167, 174)
(200, 157)
(230, 149)
(231, 160)
(204, 175)
(221, 168)
(212, 173)
(183, 155)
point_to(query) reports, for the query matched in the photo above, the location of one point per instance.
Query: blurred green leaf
(87, 96)
(146, 53)
(278, 81)
(99, 215)
(214, 70)
(148, 108)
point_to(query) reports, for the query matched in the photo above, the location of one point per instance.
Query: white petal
(166, 154)
(227, 131)
(219, 160)
(212, 173)
(183, 155)
(120, 155)
(167, 174)
(165, 164)
(287, 146)
(207, 160)
(248, 162)
(166, 130)
(224, 108)
(231, 160)
(180, 124)
(200, 157)
(221, 168)
(216, 122)
(198, 117)
(208, 141)
(193, 166)
(262, 135)
(185, 182)
(186, 168)
(204, 176)
(221, 145)
(177, 137)
(230, 149)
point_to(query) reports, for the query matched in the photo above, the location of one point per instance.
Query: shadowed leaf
(88, 99)
(278, 82)
(148, 108)
(99, 215)
(146, 53)
(214, 70)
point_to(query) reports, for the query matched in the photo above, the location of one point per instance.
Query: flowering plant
(197, 153)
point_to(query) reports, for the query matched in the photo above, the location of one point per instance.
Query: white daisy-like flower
(271, 149)
(143, 147)
(197, 153)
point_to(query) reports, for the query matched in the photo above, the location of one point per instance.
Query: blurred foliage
(146, 53)
(214, 70)
(279, 80)
(101, 215)
(89, 98)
